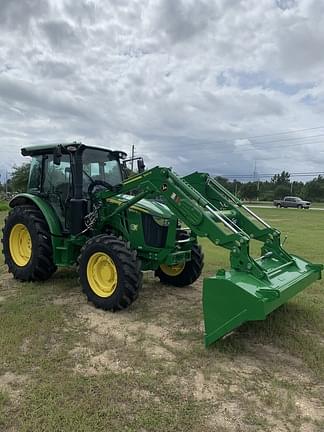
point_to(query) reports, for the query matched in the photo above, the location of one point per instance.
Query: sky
(220, 86)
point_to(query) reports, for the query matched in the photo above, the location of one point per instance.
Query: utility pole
(6, 182)
(256, 178)
(133, 153)
(258, 188)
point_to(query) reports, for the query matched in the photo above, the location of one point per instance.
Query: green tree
(19, 177)
(249, 190)
(314, 189)
(281, 190)
(282, 178)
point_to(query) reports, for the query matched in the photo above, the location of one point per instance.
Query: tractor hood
(153, 207)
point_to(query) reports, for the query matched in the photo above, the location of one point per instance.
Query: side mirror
(57, 156)
(140, 165)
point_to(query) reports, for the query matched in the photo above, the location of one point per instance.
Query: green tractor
(83, 207)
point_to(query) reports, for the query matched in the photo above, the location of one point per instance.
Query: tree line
(277, 187)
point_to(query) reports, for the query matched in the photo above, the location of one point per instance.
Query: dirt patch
(5, 277)
(13, 385)
(159, 352)
(285, 366)
(90, 363)
(202, 390)
(68, 299)
(125, 328)
(312, 408)
(26, 345)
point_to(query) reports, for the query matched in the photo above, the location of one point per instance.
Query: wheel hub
(174, 270)
(102, 274)
(20, 245)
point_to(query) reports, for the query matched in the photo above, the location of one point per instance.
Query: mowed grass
(4, 206)
(66, 366)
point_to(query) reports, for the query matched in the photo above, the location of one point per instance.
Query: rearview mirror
(140, 165)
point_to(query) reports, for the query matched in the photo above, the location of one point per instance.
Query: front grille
(154, 235)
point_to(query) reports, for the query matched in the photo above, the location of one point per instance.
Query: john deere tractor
(84, 207)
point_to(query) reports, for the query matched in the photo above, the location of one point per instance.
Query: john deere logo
(164, 187)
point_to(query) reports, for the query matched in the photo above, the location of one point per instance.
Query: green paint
(249, 291)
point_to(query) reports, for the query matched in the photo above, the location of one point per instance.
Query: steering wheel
(101, 183)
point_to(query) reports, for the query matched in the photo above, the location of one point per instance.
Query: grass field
(4, 206)
(66, 366)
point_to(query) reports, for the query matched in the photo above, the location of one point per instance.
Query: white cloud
(183, 81)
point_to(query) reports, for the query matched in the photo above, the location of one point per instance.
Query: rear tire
(110, 273)
(278, 205)
(188, 274)
(299, 206)
(27, 245)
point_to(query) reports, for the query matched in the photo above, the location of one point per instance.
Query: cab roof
(65, 147)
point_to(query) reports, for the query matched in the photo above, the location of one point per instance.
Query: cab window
(35, 174)
(100, 165)
(57, 178)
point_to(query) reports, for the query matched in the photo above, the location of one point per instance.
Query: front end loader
(84, 208)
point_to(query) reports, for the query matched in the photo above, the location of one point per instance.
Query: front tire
(184, 274)
(110, 272)
(27, 245)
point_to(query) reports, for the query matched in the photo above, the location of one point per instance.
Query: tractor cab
(66, 175)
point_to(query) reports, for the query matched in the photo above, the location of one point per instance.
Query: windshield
(100, 165)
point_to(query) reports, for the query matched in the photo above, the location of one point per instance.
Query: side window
(57, 179)
(112, 172)
(35, 174)
(92, 169)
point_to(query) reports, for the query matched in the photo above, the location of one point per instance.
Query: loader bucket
(232, 297)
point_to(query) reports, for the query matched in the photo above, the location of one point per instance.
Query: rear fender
(47, 211)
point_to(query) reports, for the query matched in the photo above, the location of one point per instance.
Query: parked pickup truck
(290, 201)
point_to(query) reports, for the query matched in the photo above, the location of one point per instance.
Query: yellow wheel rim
(102, 274)
(174, 270)
(20, 245)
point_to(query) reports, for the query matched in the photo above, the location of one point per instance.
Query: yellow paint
(115, 201)
(20, 245)
(174, 270)
(131, 179)
(132, 207)
(102, 274)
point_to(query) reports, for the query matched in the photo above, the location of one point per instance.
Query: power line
(260, 145)
(221, 141)
(283, 133)
(264, 175)
(287, 139)
(256, 147)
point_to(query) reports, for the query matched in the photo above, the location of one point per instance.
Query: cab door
(57, 186)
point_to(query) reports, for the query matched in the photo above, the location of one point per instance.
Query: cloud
(60, 34)
(18, 15)
(185, 81)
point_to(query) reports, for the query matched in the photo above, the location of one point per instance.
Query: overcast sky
(186, 81)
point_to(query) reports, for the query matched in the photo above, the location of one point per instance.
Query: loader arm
(253, 287)
(210, 211)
